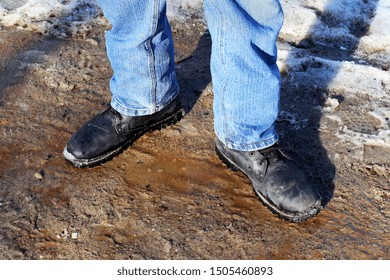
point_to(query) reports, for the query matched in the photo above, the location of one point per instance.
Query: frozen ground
(349, 28)
(168, 196)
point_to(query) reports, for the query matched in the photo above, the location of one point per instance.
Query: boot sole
(81, 163)
(296, 217)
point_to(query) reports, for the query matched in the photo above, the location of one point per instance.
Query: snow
(38, 14)
(179, 9)
(48, 16)
(357, 26)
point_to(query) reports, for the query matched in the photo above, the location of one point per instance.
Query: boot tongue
(274, 154)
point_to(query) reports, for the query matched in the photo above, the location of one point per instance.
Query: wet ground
(169, 196)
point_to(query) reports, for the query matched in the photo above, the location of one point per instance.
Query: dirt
(168, 196)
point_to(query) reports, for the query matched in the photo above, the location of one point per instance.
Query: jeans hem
(126, 111)
(259, 145)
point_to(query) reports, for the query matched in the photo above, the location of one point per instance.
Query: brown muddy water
(168, 196)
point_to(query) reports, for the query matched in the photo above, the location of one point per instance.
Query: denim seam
(222, 44)
(151, 56)
(222, 41)
(221, 36)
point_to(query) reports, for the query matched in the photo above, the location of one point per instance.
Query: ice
(47, 16)
(179, 9)
(376, 44)
(12, 4)
(36, 14)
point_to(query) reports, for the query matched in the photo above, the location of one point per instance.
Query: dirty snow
(359, 29)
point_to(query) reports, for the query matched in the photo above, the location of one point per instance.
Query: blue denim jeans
(246, 79)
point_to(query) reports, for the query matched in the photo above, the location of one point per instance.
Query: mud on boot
(280, 184)
(108, 133)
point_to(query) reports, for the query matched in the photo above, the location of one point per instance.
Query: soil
(168, 196)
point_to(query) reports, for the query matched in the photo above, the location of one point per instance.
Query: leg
(246, 84)
(144, 87)
(140, 49)
(245, 76)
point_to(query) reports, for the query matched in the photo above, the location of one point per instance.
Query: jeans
(246, 79)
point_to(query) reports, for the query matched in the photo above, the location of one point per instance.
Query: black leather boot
(109, 133)
(278, 181)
